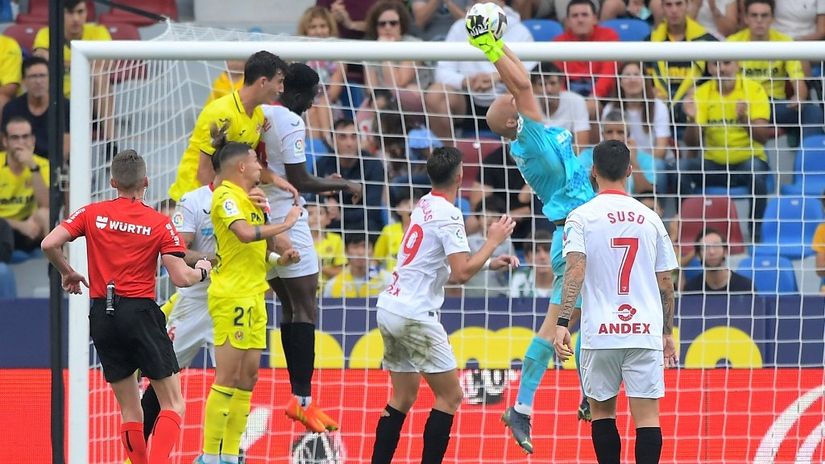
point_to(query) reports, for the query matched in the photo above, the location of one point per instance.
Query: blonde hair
(317, 12)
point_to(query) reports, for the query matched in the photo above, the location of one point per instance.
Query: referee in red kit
(124, 237)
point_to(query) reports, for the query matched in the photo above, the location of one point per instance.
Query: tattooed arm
(573, 280)
(665, 282)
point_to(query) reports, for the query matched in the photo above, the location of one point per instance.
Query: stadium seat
(5, 11)
(473, 152)
(699, 213)
(166, 8)
(809, 168)
(692, 269)
(788, 227)
(543, 30)
(727, 191)
(770, 274)
(8, 286)
(122, 31)
(39, 12)
(24, 35)
(629, 30)
(124, 70)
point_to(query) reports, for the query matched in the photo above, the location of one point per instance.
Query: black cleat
(519, 425)
(584, 410)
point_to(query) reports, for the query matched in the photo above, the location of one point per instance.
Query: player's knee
(452, 399)
(404, 401)
(247, 381)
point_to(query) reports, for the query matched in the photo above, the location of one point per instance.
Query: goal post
(85, 175)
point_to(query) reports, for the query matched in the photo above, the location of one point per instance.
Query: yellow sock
(215, 417)
(239, 409)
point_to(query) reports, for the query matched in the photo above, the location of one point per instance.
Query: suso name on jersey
(625, 216)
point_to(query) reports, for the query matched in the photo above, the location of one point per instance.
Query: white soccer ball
(484, 17)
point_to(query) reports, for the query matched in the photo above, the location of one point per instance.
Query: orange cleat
(314, 411)
(295, 412)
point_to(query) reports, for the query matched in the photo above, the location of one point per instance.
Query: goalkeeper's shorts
(241, 320)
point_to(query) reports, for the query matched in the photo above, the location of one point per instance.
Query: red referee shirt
(123, 240)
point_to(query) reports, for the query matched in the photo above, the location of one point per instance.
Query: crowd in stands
(694, 128)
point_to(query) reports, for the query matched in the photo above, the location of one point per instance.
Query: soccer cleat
(297, 413)
(519, 425)
(584, 410)
(314, 411)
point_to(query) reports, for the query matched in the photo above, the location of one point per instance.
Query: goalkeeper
(545, 158)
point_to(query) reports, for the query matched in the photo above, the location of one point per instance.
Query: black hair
(342, 122)
(32, 61)
(263, 64)
(540, 239)
(70, 5)
(228, 151)
(544, 68)
(770, 3)
(582, 2)
(354, 238)
(300, 84)
(16, 119)
(697, 243)
(611, 159)
(443, 165)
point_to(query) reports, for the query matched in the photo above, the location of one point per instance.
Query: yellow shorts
(242, 320)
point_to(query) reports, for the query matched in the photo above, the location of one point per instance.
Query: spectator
(358, 279)
(673, 79)
(389, 242)
(468, 87)
(786, 111)
(228, 81)
(355, 164)
(801, 19)
(649, 12)
(318, 22)
(593, 80)
(34, 107)
(389, 21)
(715, 277)
(10, 62)
(643, 177)
(500, 178)
(24, 180)
(349, 14)
(328, 245)
(488, 283)
(719, 17)
(536, 278)
(562, 108)
(433, 18)
(76, 28)
(818, 246)
(558, 8)
(729, 118)
(648, 119)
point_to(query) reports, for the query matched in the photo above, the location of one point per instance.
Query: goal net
(750, 387)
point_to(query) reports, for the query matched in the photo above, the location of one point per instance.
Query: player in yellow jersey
(238, 112)
(11, 66)
(236, 299)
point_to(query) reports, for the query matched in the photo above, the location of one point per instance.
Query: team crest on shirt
(239, 335)
(230, 208)
(299, 146)
(626, 312)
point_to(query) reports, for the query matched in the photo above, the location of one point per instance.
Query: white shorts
(301, 239)
(415, 346)
(642, 370)
(190, 328)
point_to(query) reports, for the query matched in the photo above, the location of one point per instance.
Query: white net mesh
(751, 386)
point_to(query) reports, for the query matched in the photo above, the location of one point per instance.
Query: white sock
(231, 458)
(211, 459)
(304, 400)
(523, 409)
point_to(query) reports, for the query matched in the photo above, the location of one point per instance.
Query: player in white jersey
(296, 284)
(434, 250)
(620, 257)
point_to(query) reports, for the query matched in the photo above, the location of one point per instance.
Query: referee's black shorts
(133, 337)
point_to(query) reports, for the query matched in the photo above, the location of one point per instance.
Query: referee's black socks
(387, 434)
(606, 441)
(436, 436)
(303, 357)
(648, 445)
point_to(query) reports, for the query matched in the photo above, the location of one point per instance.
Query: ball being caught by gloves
(486, 17)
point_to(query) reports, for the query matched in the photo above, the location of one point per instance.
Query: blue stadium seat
(770, 274)
(788, 227)
(727, 191)
(692, 269)
(543, 30)
(629, 30)
(809, 168)
(8, 286)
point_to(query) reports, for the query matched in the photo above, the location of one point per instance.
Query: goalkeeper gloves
(492, 47)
